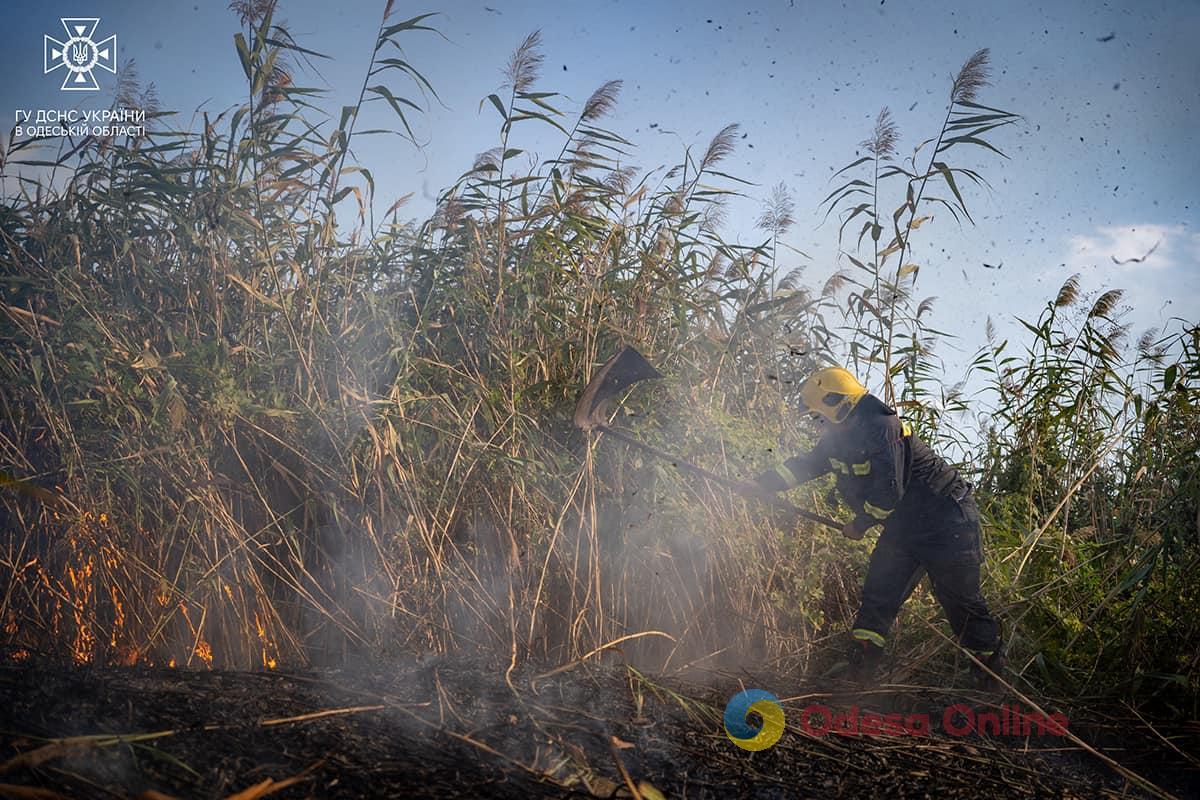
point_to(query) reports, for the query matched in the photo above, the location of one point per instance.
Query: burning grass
(247, 423)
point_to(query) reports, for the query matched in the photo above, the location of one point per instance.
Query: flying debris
(1136, 260)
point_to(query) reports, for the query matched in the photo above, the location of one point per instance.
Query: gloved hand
(768, 484)
(858, 527)
(851, 530)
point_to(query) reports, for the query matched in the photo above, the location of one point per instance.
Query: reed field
(253, 418)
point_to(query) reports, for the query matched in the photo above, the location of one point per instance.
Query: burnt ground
(449, 728)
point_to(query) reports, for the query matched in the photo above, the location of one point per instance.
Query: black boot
(994, 661)
(864, 658)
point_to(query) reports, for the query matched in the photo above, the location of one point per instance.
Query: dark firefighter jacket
(885, 473)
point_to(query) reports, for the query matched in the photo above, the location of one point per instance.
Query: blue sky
(1104, 163)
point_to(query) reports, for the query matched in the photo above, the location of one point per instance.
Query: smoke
(686, 557)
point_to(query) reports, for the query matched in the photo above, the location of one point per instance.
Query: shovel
(624, 370)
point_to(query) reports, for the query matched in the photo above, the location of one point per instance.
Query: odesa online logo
(738, 727)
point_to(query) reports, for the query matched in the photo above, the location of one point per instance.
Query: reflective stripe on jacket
(879, 463)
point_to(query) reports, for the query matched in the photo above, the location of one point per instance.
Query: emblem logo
(80, 54)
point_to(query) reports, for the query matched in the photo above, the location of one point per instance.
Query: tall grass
(247, 423)
(1089, 463)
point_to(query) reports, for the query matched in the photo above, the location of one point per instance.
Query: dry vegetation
(247, 423)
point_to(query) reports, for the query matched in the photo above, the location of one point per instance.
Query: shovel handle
(804, 513)
(742, 488)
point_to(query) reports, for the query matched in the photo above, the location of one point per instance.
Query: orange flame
(270, 651)
(202, 649)
(81, 594)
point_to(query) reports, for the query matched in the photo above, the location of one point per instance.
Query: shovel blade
(618, 373)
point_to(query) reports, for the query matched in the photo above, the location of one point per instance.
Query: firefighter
(930, 523)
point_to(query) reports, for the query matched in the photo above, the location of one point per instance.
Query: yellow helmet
(831, 392)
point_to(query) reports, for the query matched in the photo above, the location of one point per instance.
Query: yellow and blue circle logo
(738, 727)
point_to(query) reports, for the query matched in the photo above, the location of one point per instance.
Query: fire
(82, 609)
(204, 651)
(98, 602)
(269, 650)
(119, 616)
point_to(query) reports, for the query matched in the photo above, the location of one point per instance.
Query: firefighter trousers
(947, 548)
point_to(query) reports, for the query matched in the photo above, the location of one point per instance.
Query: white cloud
(1163, 282)
(1137, 247)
